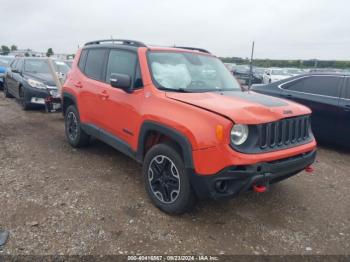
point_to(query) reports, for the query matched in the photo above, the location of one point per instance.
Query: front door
(343, 124)
(122, 109)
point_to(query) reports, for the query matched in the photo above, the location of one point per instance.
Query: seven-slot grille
(284, 132)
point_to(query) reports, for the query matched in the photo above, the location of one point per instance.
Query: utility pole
(251, 66)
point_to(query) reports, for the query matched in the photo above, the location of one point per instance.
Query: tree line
(289, 63)
(5, 50)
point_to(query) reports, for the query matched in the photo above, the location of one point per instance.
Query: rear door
(321, 94)
(90, 84)
(343, 124)
(9, 76)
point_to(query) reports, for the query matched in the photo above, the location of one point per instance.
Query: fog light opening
(221, 186)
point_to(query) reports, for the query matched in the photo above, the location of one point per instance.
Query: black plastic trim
(149, 126)
(240, 179)
(109, 139)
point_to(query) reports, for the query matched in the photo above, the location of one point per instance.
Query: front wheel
(74, 133)
(166, 180)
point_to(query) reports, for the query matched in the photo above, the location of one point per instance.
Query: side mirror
(15, 71)
(122, 81)
(268, 73)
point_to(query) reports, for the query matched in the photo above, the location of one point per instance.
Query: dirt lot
(59, 200)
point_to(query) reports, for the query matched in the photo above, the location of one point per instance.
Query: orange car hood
(242, 107)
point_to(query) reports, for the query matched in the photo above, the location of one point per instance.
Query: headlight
(239, 134)
(36, 84)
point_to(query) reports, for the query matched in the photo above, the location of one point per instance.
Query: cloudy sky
(288, 29)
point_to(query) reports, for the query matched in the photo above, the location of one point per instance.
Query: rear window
(94, 63)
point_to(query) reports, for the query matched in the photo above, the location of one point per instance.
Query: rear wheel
(74, 133)
(6, 91)
(166, 180)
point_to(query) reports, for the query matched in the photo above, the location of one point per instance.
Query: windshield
(279, 72)
(190, 72)
(36, 66)
(5, 61)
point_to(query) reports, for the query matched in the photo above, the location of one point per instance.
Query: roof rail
(194, 49)
(117, 41)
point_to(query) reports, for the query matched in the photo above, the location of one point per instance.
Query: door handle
(347, 107)
(104, 95)
(78, 84)
(287, 95)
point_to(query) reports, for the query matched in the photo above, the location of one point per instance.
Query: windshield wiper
(180, 90)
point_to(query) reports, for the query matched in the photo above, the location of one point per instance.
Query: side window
(297, 85)
(121, 62)
(346, 92)
(82, 60)
(318, 85)
(95, 63)
(19, 65)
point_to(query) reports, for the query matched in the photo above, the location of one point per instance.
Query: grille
(289, 131)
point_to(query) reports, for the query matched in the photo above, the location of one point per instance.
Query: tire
(166, 180)
(74, 133)
(6, 91)
(24, 104)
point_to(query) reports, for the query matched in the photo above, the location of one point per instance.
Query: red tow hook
(309, 169)
(259, 189)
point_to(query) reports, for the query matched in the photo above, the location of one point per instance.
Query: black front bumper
(238, 179)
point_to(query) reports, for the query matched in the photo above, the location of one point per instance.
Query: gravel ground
(59, 200)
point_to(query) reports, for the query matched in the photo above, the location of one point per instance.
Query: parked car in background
(242, 73)
(5, 62)
(274, 74)
(294, 71)
(231, 67)
(69, 63)
(180, 113)
(32, 81)
(328, 96)
(259, 72)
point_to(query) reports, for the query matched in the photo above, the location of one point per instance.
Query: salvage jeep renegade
(180, 113)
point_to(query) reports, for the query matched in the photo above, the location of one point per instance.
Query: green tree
(5, 50)
(49, 52)
(13, 48)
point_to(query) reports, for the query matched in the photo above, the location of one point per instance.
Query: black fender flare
(70, 96)
(178, 137)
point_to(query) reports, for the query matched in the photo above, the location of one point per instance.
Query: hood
(242, 107)
(47, 79)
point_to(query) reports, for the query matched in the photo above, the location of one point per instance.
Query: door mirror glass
(122, 81)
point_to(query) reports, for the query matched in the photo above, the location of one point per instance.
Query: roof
(134, 45)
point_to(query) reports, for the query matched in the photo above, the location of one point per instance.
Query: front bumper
(238, 179)
(40, 96)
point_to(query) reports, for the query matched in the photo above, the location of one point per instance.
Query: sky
(288, 29)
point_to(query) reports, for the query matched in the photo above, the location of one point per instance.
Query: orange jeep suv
(180, 113)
